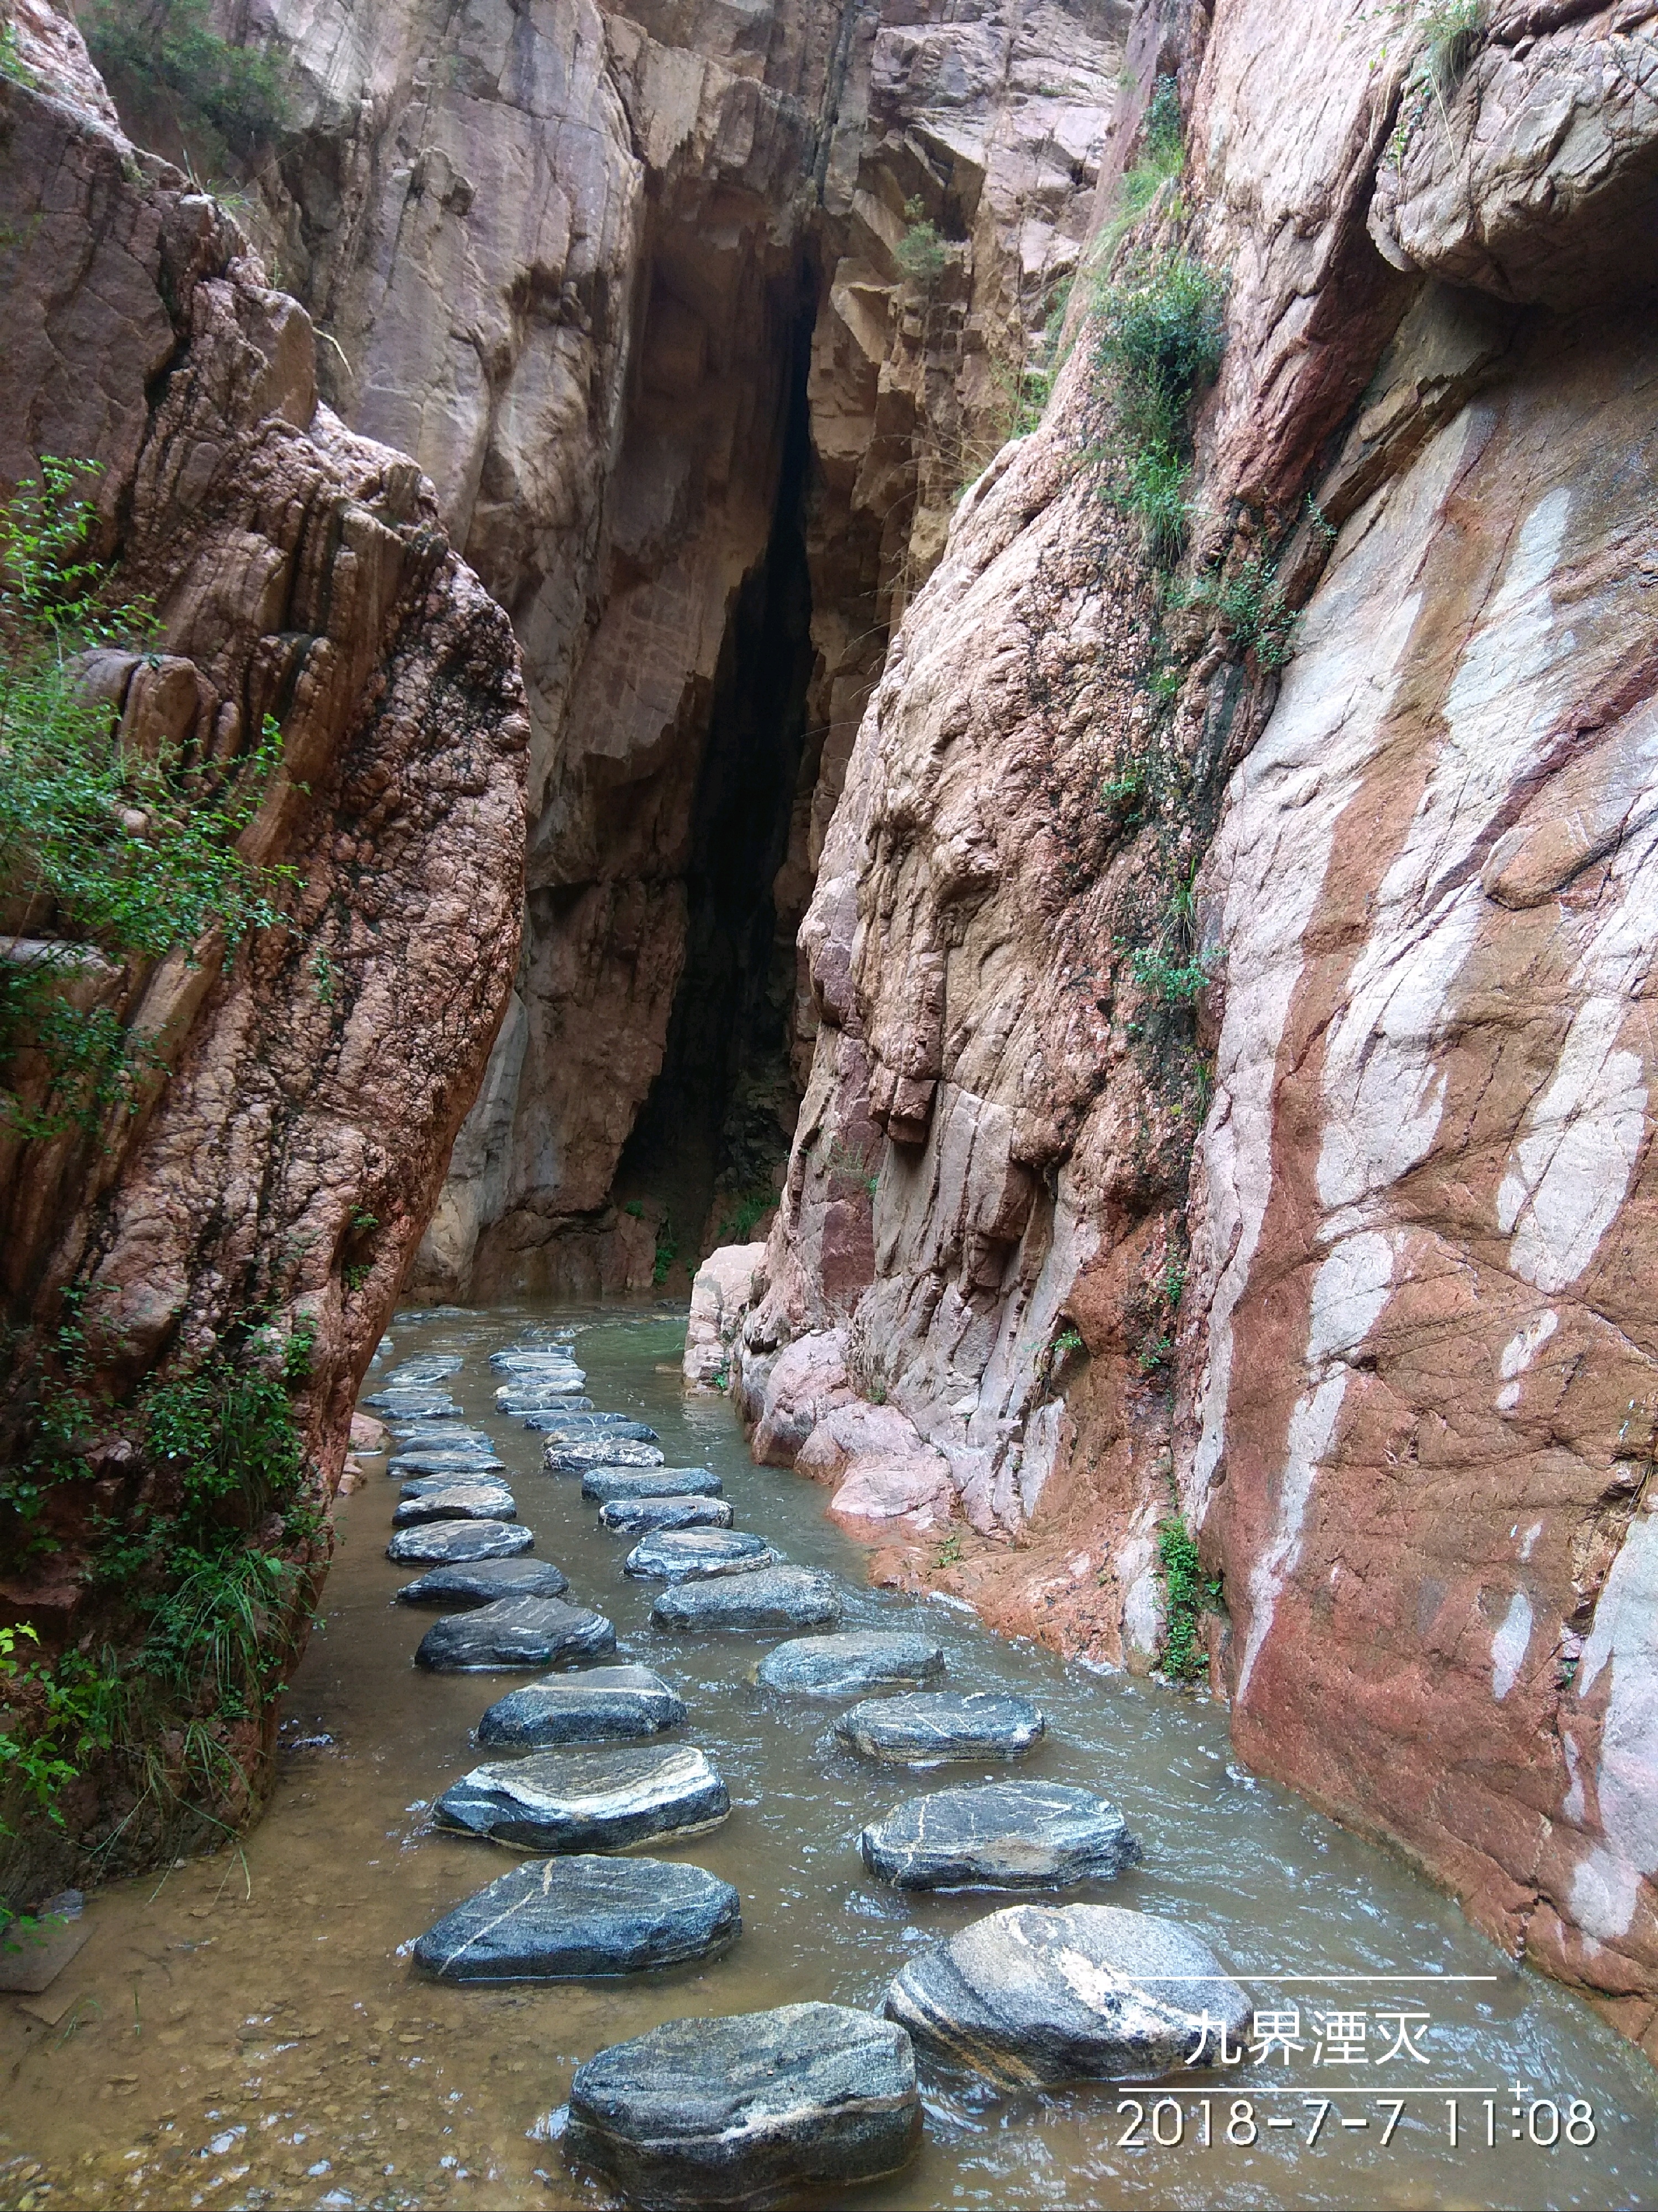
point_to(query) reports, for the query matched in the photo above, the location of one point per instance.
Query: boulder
(1050, 1993)
(441, 1436)
(553, 1417)
(601, 1704)
(447, 1543)
(421, 1374)
(457, 1501)
(466, 1478)
(525, 1358)
(513, 1631)
(588, 1801)
(683, 1555)
(771, 1602)
(368, 1436)
(554, 1919)
(579, 1428)
(1000, 1835)
(484, 1581)
(602, 1484)
(446, 1459)
(635, 1516)
(841, 1666)
(534, 1397)
(935, 1726)
(583, 1453)
(740, 2110)
(414, 1405)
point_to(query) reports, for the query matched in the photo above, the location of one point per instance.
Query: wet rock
(412, 1405)
(527, 1358)
(421, 1374)
(771, 1602)
(453, 1459)
(739, 2110)
(441, 1436)
(383, 1349)
(681, 1555)
(423, 1486)
(601, 1704)
(557, 1919)
(368, 1437)
(483, 1581)
(1049, 1993)
(602, 1451)
(513, 1632)
(552, 1417)
(582, 1427)
(602, 1484)
(928, 1729)
(1000, 1835)
(585, 1801)
(445, 1543)
(457, 1501)
(841, 1666)
(639, 1516)
(536, 1397)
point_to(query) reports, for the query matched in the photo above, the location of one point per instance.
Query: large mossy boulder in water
(588, 1801)
(1000, 1835)
(1053, 1993)
(684, 1555)
(483, 1582)
(770, 1602)
(603, 1484)
(643, 1517)
(558, 1919)
(937, 1725)
(743, 2110)
(841, 1666)
(445, 1543)
(513, 1632)
(601, 1704)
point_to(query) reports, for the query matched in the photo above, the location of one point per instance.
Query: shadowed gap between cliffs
(718, 1119)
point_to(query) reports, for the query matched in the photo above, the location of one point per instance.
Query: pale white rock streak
(1605, 1883)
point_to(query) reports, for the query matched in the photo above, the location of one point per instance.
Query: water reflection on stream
(243, 2031)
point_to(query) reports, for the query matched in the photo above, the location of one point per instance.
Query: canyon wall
(298, 1097)
(1233, 1091)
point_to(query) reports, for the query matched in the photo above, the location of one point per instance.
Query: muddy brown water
(246, 2029)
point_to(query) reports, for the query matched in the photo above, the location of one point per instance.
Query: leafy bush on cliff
(168, 52)
(1161, 336)
(922, 255)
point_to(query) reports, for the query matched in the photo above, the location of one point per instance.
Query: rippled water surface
(247, 2030)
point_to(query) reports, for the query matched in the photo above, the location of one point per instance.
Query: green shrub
(1160, 337)
(922, 254)
(1187, 1597)
(169, 49)
(1451, 32)
(1249, 606)
(134, 855)
(667, 1251)
(1172, 980)
(751, 1208)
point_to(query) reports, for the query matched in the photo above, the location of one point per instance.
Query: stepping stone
(421, 1374)
(1050, 1993)
(442, 1436)
(448, 1543)
(747, 2108)
(581, 1427)
(1000, 1835)
(513, 1632)
(635, 1516)
(466, 1478)
(841, 1666)
(533, 1398)
(538, 1367)
(551, 1417)
(452, 1459)
(602, 1484)
(936, 1725)
(602, 1705)
(520, 1358)
(412, 1405)
(588, 1801)
(558, 1919)
(457, 1501)
(683, 1555)
(383, 1349)
(600, 1451)
(771, 1602)
(484, 1582)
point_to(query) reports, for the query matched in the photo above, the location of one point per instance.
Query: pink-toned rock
(799, 1387)
(368, 1436)
(721, 1293)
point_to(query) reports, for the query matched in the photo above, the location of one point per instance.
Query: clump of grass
(227, 97)
(1187, 1597)
(1250, 607)
(752, 1207)
(1160, 337)
(1451, 33)
(923, 254)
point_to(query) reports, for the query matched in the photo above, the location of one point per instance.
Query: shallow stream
(247, 2030)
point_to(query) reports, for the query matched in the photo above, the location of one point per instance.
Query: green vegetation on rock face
(1160, 334)
(221, 99)
(1188, 1596)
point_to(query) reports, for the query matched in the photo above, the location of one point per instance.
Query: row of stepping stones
(722, 2111)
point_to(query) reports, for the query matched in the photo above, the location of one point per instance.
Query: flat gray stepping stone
(1050, 1993)
(531, 1398)
(601, 1704)
(449, 1459)
(466, 1478)
(513, 1632)
(442, 1436)
(841, 1666)
(602, 1484)
(383, 1349)
(484, 1581)
(936, 1725)
(414, 1405)
(635, 1516)
(561, 1919)
(457, 1501)
(577, 1456)
(581, 1428)
(522, 1358)
(445, 1543)
(421, 1374)
(1000, 1835)
(741, 2110)
(551, 1417)
(588, 1801)
(683, 1555)
(771, 1602)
